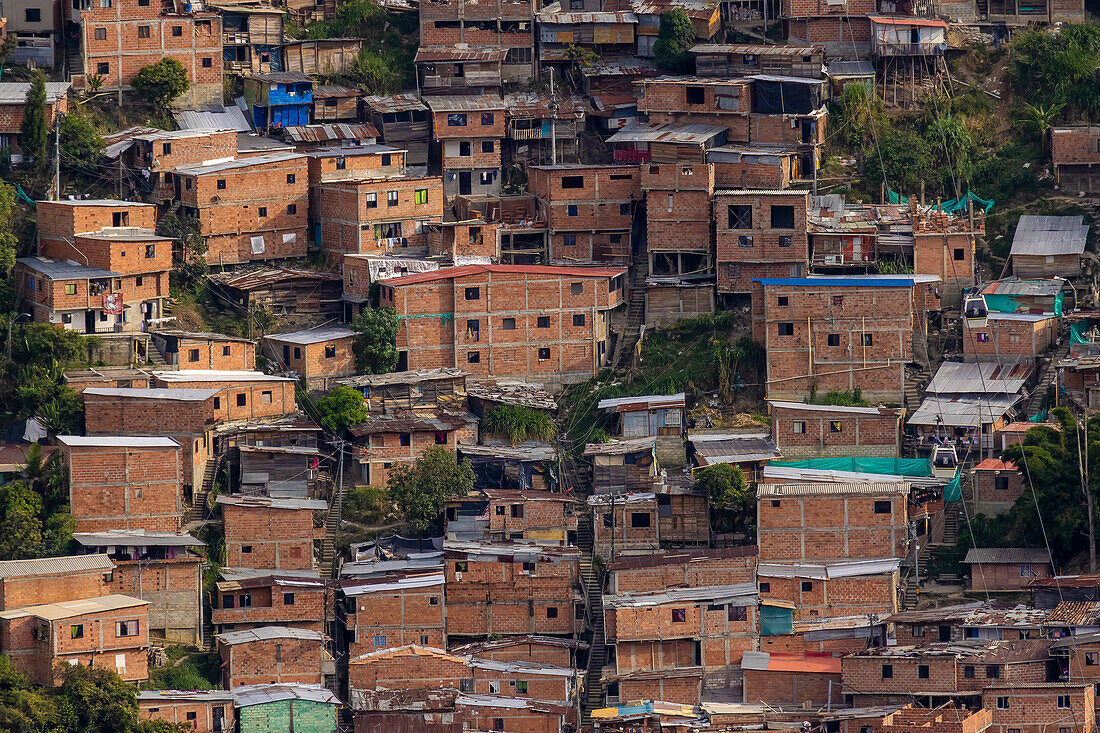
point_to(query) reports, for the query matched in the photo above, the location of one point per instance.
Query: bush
(162, 82)
(676, 36)
(518, 424)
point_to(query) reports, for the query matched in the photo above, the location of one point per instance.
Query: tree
(20, 522)
(731, 500)
(189, 269)
(341, 408)
(162, 82)
(676, 36)
(10, 216)
(34, 132)
(81, 146)
(376, 345)
(421, 489)
(371, 72)
(100, 699)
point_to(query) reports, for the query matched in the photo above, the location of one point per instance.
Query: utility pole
(553, 121)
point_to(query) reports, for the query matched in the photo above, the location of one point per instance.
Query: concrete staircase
(196, 514)
(951, 524)
(597, 653)
(332, 527)
(1046, 378)
(155, 359)
(914, 386)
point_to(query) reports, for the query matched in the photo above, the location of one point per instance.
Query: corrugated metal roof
(809, 407)
(15, 92)
(329, 132)
(553, 14)
(334, 91)
(451, 273)
(269, 276)
(643, 402)
(699, 9)
(541, 452)
(55, 565)
(407, 102)
(69, 609)
(282, 77)
(199, 696)
(620, 447)
(312, 335)
(961, 412)
(464, 103)
(755, 49)
(428, 580)
(136, 538)
(415, 376)
(983, 613)
(63, 269)
(215, 375)
(621, 66)
(633, 497)
(249, 695)
(272, 503)
(711, 450)
(666, 133)
(1049, 235)
(1016, 286)
(742, 594)
(875, 489)
(425, 421)
(237, 163)
(839, 69)
(266, 633)
(214, 118)
(828, 571)
(1002, 555)
(907, 20)
(460, 52)
(510, 392)
(979, 377)
(154, 393)
(115, 441)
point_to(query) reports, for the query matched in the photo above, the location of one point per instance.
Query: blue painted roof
(841, 282)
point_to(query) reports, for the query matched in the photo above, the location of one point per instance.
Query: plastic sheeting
(959, 206)
(953, 490)
(1007, 304)
(1077, 332)
(780, 97)
(776, 620)
(861, 464)
(1039, 417)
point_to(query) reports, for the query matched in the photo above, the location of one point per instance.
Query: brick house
(945, 718)
(156, 154)
(682, 568)
(1042, 706)
(1006, 568)
(943, 245)
(831, 522)
(394, 611)
(385, 440)
(110, 632)
(116, 41)
(818, 334)
(245, 396)
(262, 532)
(588, 209)
(469, 131)
(997, 486)
(559, 319)
(759, 234)
(960, 670)
(274, 654)
(13, 99)
(697, 634)
(118, 377)
(162, 568)
(642, 521)
(123, 482)
(317, 355)
(534, 589)
(803, 430)
(1010, 337)
(788, 679)
(351, 162)
(249, 599)
(35, 582)
(368, 215)
(453, 240)
(843, 31)
(504, 514)
(821, 591)
(213, 351)
(415, 667)
(1075, 151)
(984, 620)
(207, 711)
(505, 25)
(251, 208)
(63, 220)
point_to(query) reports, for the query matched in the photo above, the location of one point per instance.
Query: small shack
(287, 706)
(521, 467)
(411, 390)
(658, 416)
(1048, 246)
(282, 290)
(1006, 568)
(748, 451)
(623, 465)
(335, 103)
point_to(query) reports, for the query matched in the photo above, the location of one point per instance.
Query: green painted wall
(299, 716)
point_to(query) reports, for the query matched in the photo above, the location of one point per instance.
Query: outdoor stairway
(154, 359)
(913, 387)
(597, 653)
(196, 515)
(1046, 378)
(909, 594)
(332, 526)
(631, 332)
(950, 525)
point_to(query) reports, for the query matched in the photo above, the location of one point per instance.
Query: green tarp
(1041, 417)
(860, 464)
(776, 620)
(896, 198)
(1077, 332)
(959, 206)
(953, 490)
(1005, 303)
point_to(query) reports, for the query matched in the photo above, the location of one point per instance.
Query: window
(624, 209)
(143, 31)
(487, 118)
(508, 324)
(922, 671)
(882, 506)
(498, 724)
(992, 671)
(292, 209)
(868, 339)
(782, 301)
(782, 217)
(192, 716)
(807, 586)
(916, 630)
(1025, 570)
(177, 30)
(569, 240)
(639, 520)
(217, 403)
(420, 196)
(342, 164)
(391, 198)
(982, 337)
(887, 671)
(572, 181)
(1002, 702)
(836, 426)
(833, 339)
(487, 146)
(544, 353)
(473, 357)
(456, 120)
(1000, 483)
(76, 631)
(521, 687)
(297, 352)
(765, 587)
(1092, 659)
(798, 427)
(679, 615)
(786, 329)
(486, 177)
(740, 217)
(34, 15)
(551, 612)
(969, 672)
(126, 628)
(101, 34)
(70, 288)
(192, 355)
(221, 184)
(786, 240)
(694, 95)
(543, 322)
(571, 210)
(737, 613)
(578, 319)
(517, 513)
(473, 294)
(958, 255)
(576, 288)
(371, 200)
(207, 62)
(103, 67)
(404, 439)
(242, 399)
(1063, 701)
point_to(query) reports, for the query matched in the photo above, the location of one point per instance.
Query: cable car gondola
(945, 461)
(975, 311)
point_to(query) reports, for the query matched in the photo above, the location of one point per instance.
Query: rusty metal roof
(665, 133)
(269, 276)
(407, 102)
(755, 50)
(334, 91)
(329, 132)
(693, 8)
(465, 103)
(1006, 555)
(532, 104)
(422, 422)
(1075, 613)
(553, 14)
(460, 52)
(978, 613)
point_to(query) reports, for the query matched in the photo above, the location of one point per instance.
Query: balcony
(926, 48)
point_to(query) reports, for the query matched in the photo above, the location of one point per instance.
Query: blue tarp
(861, 464)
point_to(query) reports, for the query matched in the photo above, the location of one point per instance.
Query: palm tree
(1039, 119)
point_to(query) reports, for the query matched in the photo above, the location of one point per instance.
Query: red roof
(994, 464)
(450, 273)
(799, 663)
